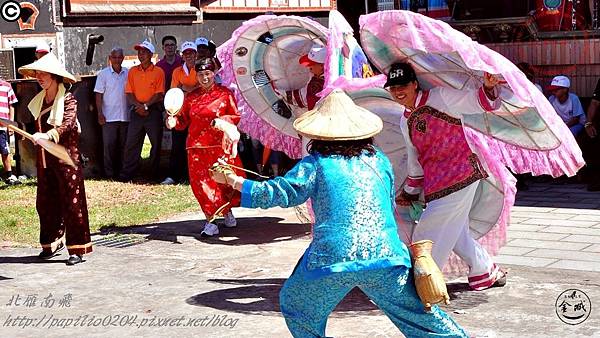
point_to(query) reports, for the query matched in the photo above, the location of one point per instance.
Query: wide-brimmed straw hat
(338, 118)
(49, 64)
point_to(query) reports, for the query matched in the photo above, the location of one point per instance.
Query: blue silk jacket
(353, 205)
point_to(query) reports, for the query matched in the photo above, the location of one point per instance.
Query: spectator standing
(208, 49)
(7, 111)
(590, 142)
(171, 60)
(145, 89)
(113, 113)
(184, 77)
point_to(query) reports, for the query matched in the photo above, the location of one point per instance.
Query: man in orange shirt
(145, 89)
(184, 77)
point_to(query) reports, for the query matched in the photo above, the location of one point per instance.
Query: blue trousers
(306, 303)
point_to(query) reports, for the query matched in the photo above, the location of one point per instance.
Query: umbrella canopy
(267, 72)
(513, 122)
(443, 56)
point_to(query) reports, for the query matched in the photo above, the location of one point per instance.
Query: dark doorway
(23, 56)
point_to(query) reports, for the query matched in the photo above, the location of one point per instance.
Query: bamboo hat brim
(338, 118)
(49, 64)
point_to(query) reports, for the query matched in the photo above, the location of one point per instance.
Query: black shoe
(74, 259)
(49, 254)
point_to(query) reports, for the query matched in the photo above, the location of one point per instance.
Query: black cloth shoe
(74, 259)
(49, 254)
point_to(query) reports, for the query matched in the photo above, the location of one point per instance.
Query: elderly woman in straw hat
(61, 202)
(355, 239)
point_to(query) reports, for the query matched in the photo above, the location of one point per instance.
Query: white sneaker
(210, 230)
(168, 181)
(230, 221)
(12, 180)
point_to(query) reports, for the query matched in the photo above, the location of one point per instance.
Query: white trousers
(445, 221)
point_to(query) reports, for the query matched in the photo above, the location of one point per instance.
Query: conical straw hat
(338, 118)
(49, 64)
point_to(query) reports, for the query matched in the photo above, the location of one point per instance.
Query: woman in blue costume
(355, 240)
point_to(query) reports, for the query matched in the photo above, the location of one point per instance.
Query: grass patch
(109, 204)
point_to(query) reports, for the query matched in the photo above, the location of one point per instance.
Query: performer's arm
(182, 119)
(69, 122)
(228, 111)
(227, 119)
(297, 186)
(313, 88)
(414, 183)
(460, 102)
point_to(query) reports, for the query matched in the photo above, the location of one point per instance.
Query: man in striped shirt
(7, 99)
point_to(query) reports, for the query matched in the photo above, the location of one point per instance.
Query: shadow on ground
(28, 260)
(260, 296)
(249, 231)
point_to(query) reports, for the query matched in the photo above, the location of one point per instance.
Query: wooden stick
(55, 149)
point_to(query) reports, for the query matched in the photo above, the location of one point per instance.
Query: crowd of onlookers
(583, 126)
(129, 103)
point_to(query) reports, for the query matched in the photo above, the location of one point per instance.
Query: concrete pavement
(161, 280)
(555, 226)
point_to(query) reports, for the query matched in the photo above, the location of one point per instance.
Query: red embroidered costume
(203, 145)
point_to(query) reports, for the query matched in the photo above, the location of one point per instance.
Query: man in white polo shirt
(113, 114)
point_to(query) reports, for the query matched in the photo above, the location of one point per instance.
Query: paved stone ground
(555, 226)
(228, 287)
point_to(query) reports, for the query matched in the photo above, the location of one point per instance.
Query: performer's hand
(591, 131)
(40, 136)
(222, 174)
(231, 137)
(402, 202)
(171, 122)
(490, 81)
(230, 147)
(218, 177)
